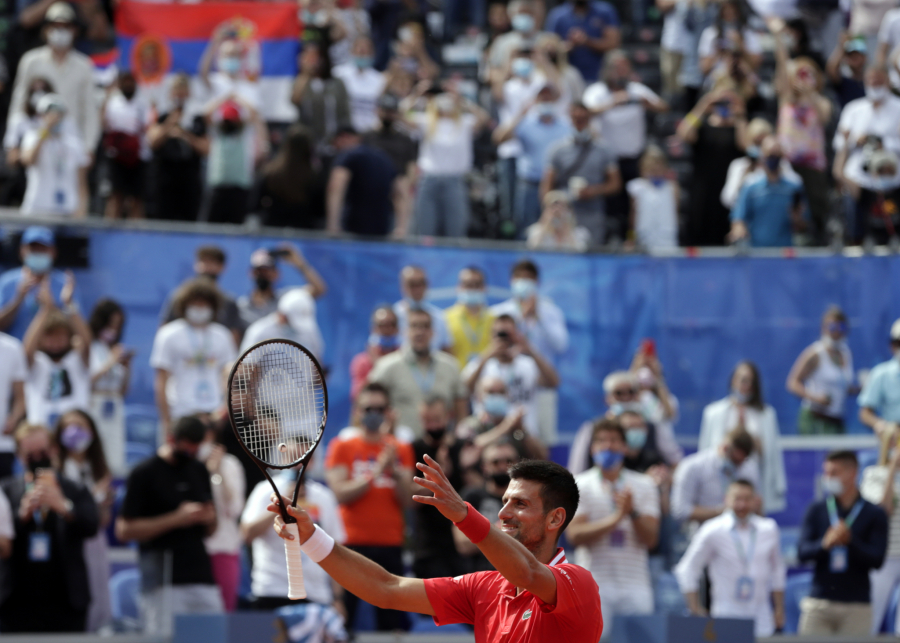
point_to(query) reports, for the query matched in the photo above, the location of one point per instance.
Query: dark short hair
(375, 387)
(743, 482)
(836, 313)
(478, 271)
(608, 425)
(739, 438)
(506, 317)
(211, 253)
(102, 314)
(433, 399)
(199, 288)
(558, 488)
(419, 311)
(577, 104)
(845, 456)
(190, 429)
(526, 265)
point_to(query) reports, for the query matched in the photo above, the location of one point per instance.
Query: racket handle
(296, 588)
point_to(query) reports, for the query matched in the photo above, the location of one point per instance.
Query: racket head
(277, 403)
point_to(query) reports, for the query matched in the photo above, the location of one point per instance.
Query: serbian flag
(158, 40)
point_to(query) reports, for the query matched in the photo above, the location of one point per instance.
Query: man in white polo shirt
(742, 553)
(295, 319)
(616, 525)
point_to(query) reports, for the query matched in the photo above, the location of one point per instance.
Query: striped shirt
(618, 558)
(701, 481)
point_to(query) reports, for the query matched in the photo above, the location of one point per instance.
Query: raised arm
(317, 285)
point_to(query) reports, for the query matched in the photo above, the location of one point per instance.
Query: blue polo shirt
(765, 207)
(537, 139)
(599, 15)
(9, 283)
(882, 391)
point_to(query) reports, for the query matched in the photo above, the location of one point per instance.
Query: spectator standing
(616, 524)
(364, 85)
(125, 120)
(744, 407)
(698, 487)
(658, 405)
(729, 37)
(190, 355)
(110, 369)
(384, 339)
(846, 68)
(742, 554)
(7, 527)
(878, 408)
(417, 371)
(57, 349)
(54, 158)
(586, 168)
(673, 40)
(653, 221)
(822, 377)
(322, 99)
(523, 18)
(82, 461)
(234, 75)
(295, 320)
(268, 577)
(390, 137)
(291, 186)
(20, 124)
(168, 509)
(845, 536)
(716, 130)
(697, 16)
(469, 321)
(414, 287)
(53, 517)
(769, 208)
(263, 298)
(363, 195)
(750, 167)
(557, 229)
(13, 376)
(590, 28)
(866, 18)
(179, 141)
(369, 475)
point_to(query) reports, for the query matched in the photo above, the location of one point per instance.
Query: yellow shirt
(469, 335)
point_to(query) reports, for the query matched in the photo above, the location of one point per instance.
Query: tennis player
(534, 596)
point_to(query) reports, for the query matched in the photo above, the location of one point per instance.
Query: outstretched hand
(305, 525)
(445, 498)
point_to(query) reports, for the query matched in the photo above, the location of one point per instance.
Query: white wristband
(318, 546)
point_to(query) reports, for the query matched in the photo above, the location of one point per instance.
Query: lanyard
(833, 515)
(746, 557)
(473, 333)
(425, 381)
(200, 345)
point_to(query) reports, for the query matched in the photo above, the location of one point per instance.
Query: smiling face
(522, 515)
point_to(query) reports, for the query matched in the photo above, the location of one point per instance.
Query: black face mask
(373, 420)
(57, 355)
(209, 275)
(501, 479)
(387, 123)
(263, 282)
(39, 461)
(181, 458)
(437, 434)
(230, 127)
(128, 93)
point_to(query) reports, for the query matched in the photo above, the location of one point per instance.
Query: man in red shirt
(535, 595)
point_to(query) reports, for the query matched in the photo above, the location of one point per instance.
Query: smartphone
(275, 253)
(648, 347)
(505, 336)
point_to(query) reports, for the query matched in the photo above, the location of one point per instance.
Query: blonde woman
(447, 127)
(881, 486)
(557, 228)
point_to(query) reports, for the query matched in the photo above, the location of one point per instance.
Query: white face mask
(832, 486)
(876, 94)
(59, 37)
(204, 451)
(198, 315)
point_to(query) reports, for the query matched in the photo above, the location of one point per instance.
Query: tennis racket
(278, 404)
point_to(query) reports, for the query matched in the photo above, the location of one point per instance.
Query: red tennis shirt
(489, 602)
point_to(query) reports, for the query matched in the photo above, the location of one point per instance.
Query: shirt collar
(559, 558)
(410, 356)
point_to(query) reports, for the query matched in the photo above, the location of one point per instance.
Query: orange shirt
(375, 518)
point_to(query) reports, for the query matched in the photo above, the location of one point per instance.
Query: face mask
(128, 92)
(522, 67)
(523, 23)
(204, 451)
(108, 335)
(384, 342)
(468, 297)
(263, 282)
(230, 65)
(619, 408)
(545, 110)
(437, 434)
(373, 420)
(772, 162)
(636, 438)
(584, 136)
(38, 262)
(495, 404)
(608, 459)
(876, 94)
(657, 181)
(501, 479)
(59, 38)
(740, 398)
(198, 315)
(832, 486)
(830, 342)
(76, 438)
(212, 276)
(181, 458)
(753, 152)
(57, 355)
(35, 98)
(523, 288)
(445, 104)
(883, 183)
(39, 461)
(362, 62)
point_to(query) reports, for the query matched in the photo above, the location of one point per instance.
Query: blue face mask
(523, 23)
(363, 62)
(384, 342)
(772, 163)
(412, 304)
(545, 110)
(608, 459)
(523, 288)
(753, 151)
(832, 486)
(230, 64)
(658, 181)
(619, 408)
(38, 262)
(636, 438)
(495, 404)
(469, 297)
(522, 67)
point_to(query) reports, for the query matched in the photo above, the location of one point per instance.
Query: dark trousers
(392, 560)
(618, 205)
(38, 617)
(7, 461)
(226, 204)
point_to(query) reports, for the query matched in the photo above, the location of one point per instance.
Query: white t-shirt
(112, 380)
(270, 327)
(656, 213)
(227, 537)
(7, 526)
(624, 127)
(15, 369)
(889, 31)
(447, 151)
(517, 92)
(364, 86)
(194, 358)
(707, 45)
(269, 575)
(861, 117)
(129, 116)
(52, 180)
(222, 85)
(521, 377)
(52, 388)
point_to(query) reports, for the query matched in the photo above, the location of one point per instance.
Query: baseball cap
(261, 259)
(300, 309)
(50, 101)
(856, 45)
(230, 111)
(38, 234)
(895, 331)
(60, 12)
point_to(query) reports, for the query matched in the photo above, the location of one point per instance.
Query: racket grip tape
(296, 588)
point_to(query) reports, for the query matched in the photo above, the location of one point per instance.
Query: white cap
(50, 101)
(895, 331)
(300, 309)
(60, 12)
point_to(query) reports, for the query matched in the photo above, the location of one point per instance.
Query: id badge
(109, 409)
(617, 538)
(838, 560)
(60, 197)
(39, 547)
(744, 590)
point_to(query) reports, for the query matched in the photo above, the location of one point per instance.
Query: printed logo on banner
(151, 58)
